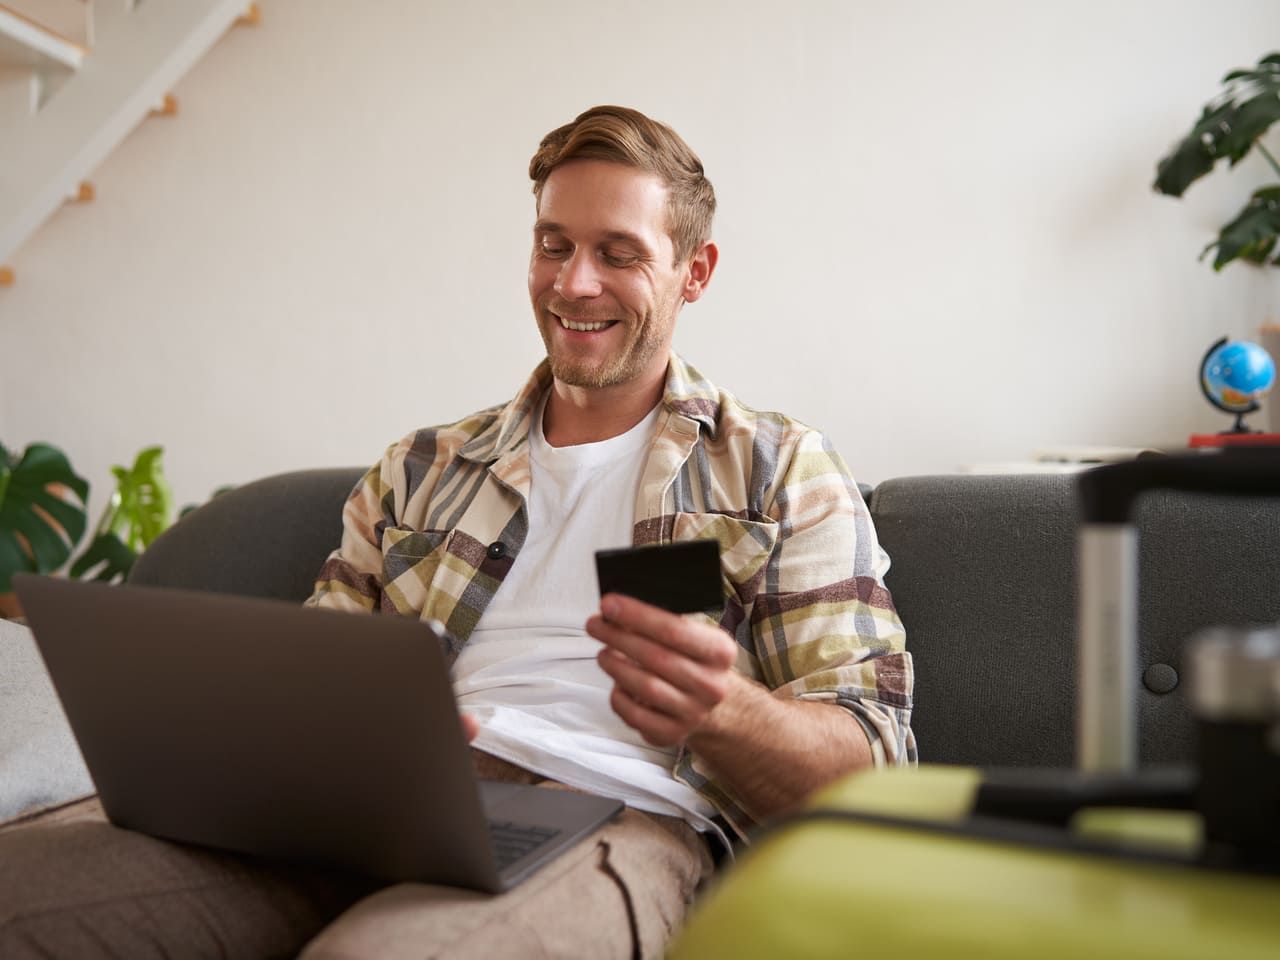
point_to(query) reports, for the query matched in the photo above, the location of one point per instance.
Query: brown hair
(622, 135)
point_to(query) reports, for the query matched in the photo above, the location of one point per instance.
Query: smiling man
(703, 725)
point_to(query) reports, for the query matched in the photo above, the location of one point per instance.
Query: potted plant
(1229, 127)
(43, 514)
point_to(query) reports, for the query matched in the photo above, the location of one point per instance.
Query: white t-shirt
(528, 672)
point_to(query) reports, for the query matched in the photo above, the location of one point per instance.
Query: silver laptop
(298, 734)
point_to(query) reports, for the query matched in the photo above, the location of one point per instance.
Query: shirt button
(497, 550)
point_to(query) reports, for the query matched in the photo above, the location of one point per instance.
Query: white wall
(938, 237)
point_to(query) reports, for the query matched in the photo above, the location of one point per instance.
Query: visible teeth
(575, 325)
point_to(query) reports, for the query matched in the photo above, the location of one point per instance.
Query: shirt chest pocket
(410, 559)
(745, 548)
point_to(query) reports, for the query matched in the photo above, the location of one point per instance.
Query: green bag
(889, 864)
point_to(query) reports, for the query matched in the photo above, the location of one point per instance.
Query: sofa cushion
(40, 764)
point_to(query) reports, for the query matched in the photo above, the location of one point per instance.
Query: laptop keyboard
(511, 841)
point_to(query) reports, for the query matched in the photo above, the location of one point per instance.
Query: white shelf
(18, 33)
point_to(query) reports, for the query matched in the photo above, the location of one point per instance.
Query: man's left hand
(669, 672)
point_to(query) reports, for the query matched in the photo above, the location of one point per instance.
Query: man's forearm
(774, 752)
(674, 682)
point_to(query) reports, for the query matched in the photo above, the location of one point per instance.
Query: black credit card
(680, 577)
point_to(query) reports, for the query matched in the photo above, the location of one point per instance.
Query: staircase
(76, 76)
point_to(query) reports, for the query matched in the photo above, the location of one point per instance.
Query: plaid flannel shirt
(432, 529)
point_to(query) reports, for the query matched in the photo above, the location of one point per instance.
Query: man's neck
(577, 415)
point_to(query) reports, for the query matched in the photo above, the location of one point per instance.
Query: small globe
(1235, 374)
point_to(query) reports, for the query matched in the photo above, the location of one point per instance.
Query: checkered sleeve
(823, 622)
(351, 578)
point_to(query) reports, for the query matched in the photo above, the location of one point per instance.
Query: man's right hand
(470, 726)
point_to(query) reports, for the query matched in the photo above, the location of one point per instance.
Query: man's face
(604, 289)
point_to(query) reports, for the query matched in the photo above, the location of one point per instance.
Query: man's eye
(553, 251)
(619, 259)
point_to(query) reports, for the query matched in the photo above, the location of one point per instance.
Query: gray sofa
(983, 576)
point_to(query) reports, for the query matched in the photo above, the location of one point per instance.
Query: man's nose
(579, 277)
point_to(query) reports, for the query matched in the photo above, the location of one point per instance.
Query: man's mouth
(584, 326)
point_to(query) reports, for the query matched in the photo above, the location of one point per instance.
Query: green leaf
(1268, 69)
(45, 543)
(155, 499)
(39, 526)
(1228, 126)
(1250, 121)
(1258, 254)
(42, 465)
(1252, 235)
(69, 517)
(1189, 161)
(108, 555)
(1196, 153)
(141, 507)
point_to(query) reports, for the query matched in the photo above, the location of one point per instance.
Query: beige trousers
(73, 886)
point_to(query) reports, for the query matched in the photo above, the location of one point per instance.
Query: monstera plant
(1229, 127)
(42, 511)
(43, 516)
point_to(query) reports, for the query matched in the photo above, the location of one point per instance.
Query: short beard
(621, 368)
(616, 370)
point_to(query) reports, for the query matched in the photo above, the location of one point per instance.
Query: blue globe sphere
(1235, 374)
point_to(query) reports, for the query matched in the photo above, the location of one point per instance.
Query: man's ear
(701, 267)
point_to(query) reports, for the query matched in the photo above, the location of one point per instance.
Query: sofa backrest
(984, 578)
(268, 538)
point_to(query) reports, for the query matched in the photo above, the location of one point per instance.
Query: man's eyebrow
(623, 236)
(613, 236)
